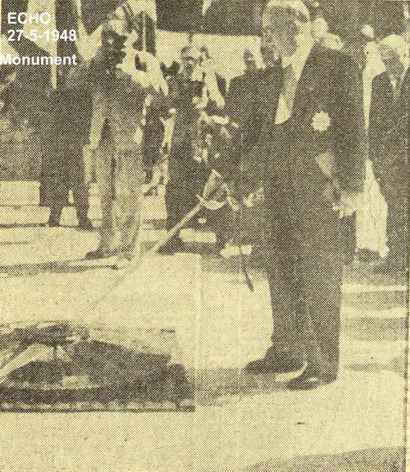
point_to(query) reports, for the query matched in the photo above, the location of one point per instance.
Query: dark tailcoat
(221, 82)
(241, 95)
(303, 230)
(389, 135)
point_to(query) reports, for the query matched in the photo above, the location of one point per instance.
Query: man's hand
(349, 202)
(150, 75)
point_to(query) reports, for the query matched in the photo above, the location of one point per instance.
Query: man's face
(392, 61)
(279, 31)
(6, 82)
(189, 63)
(117, 25)
(250, 62)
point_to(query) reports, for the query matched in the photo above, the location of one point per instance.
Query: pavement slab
(241, 422)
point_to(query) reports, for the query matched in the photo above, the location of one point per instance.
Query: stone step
(368, 298)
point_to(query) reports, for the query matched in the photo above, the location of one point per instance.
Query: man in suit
(116, 136)
(310, 156)
(192, 91)
(388, 145)
(8, 92)
(241, 90)
(66, 166)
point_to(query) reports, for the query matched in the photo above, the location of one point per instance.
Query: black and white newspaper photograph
(204, 235)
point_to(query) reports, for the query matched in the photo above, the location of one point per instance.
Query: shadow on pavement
(57, 267)
(222, 385)
(366, 460)
(219, 386)
(22, 225)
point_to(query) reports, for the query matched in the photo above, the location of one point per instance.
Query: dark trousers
(395, 193)
(69, 176)
(305, 261)
(186, 179)
(154, 133)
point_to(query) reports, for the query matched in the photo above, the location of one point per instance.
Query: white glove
(347, 205)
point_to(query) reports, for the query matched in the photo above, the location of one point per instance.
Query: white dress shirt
(396, 84)
(297, 61)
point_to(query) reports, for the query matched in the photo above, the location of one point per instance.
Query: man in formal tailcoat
(389, 136)
(311, 158)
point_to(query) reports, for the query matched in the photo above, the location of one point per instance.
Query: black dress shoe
(53, 223)
(275, 363)
(310, 378)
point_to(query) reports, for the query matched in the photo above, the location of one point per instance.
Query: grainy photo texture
(204, 235)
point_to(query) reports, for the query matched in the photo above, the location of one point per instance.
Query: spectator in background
(191, 92)
(319, 28)
(66, 166)
(8, 112)
(322, 36)
(371, 215)
(239, 99)
(208, 64)
(153, 130)
(7, 79)
(388, 145)
(241, 90)
(171, 70)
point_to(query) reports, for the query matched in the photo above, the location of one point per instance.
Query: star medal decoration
(321, 121)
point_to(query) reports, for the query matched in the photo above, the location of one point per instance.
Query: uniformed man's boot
(85, 224)
(54, 218)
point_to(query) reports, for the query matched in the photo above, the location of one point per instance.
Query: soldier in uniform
(310, 156)
(116, 136)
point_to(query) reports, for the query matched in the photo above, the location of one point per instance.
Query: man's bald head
(394, 52)
(283, 22)
(294, 8)
(394, 43)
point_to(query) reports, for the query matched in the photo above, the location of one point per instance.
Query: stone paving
(240, 422)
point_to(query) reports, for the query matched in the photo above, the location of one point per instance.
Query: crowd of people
(320, 128)
(192, 87)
